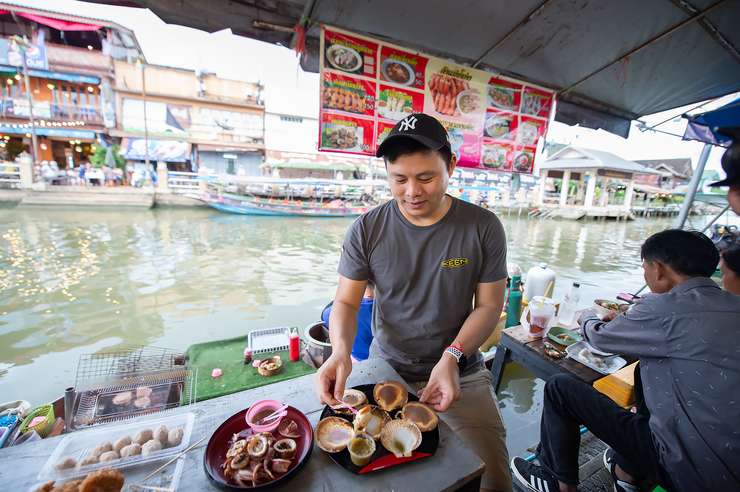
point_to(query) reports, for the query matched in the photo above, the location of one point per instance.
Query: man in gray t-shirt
(439, 269)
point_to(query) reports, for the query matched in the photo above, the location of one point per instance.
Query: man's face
(418, 183)
(733, 197)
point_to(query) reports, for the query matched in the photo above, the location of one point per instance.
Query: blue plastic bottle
(514, 305)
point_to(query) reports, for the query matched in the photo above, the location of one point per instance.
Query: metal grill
(116, 386)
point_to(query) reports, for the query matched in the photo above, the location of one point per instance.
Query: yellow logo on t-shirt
(455, 262)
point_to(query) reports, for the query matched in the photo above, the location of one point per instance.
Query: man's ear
(453, 164)
(661, 271)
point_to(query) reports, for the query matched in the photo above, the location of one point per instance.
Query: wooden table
(519, 346)
(453, 467)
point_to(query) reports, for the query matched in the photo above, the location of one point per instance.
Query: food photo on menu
(523, 161)
(402, 68)
(349, 54)
(501, 126)
(348, 94)
(496, 156)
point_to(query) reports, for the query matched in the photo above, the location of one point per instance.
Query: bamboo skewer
(141, 484)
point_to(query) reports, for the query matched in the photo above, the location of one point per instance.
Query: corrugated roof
(572, 157)
(680, 167)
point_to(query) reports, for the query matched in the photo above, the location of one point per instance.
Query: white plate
(611, 364)
(406, 66)
(331, 54)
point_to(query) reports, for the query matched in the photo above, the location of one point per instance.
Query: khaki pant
(476, 419)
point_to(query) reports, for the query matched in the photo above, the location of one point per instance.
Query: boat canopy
(714, 126)
(610, 62)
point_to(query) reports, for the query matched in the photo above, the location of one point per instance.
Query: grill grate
(149, 379)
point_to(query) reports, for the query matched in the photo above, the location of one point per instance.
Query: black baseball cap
(420, 127)
(731, 159)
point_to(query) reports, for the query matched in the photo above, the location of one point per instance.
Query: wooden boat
(253, 205)
(290, 197)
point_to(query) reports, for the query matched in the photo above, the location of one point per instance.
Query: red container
(295, 347)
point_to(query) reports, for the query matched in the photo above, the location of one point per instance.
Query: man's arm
(639, 332)
(443, 387)
(332, 375)
(343, 317)
(480, 323)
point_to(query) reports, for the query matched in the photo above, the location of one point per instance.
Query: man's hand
(331, 378)
(443, 387)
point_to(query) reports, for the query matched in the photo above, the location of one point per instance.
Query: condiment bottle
(514, 304)
(295, 346)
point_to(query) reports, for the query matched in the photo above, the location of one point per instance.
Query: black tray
(382, 458)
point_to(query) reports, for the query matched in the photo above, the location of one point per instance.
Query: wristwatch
(455, 351)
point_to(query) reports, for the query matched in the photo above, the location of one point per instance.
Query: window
(291, 119)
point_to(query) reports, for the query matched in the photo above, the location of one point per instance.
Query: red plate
(219, 443)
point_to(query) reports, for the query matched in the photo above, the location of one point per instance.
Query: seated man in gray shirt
(685, 336)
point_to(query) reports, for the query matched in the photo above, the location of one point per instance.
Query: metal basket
(269, 340)
(100, 377)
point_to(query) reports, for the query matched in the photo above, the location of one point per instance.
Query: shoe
(533, 477)
(610, 464)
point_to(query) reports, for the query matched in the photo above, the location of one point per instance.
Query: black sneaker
(611, 464)
(533, 477)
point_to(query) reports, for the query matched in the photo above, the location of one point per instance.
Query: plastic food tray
(611, 364)
(269, 340)
(79, 445)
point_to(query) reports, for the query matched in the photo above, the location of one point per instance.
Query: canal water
(74, 282)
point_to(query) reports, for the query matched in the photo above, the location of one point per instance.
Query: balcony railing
(44, 110)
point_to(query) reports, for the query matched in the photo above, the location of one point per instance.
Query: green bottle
(514, 304)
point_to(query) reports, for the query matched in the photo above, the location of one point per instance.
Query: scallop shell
(390, 395)
(371, 420)
(271, 366)
(257, 446)
(422, 415)
(285, 448)
(333, 434)
(400, 437)
(354, 397)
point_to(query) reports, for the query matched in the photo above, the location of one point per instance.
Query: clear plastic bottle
(568, 307)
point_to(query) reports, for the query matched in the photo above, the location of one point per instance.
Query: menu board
(367, 85)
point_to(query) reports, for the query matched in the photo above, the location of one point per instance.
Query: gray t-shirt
(425, 278)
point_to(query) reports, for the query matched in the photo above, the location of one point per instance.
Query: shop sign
(11, 54)
(494, 122)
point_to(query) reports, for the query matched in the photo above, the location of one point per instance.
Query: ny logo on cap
(408, 124)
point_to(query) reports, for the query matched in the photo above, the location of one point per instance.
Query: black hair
(404, 146)
(731, 257)
(689, 253)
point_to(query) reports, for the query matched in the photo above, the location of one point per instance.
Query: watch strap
(455, 351)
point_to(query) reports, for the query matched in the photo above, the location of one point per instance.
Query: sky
(288, 89)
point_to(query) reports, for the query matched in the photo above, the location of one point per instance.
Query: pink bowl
(259, 407)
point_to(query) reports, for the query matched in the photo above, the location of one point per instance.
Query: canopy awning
(58, 24)
(707, 127)
(610, 62)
